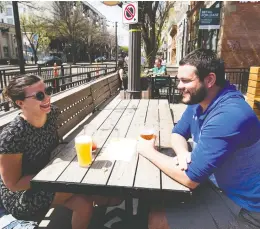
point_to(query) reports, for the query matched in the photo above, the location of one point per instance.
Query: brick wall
(240, 43)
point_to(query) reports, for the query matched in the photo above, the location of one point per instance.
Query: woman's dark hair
(15, 88)
(206, 61)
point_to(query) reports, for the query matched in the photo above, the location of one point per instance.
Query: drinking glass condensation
(147, 133)
(83, 145)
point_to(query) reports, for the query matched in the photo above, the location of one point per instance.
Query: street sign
(130, 13)
(209, 18)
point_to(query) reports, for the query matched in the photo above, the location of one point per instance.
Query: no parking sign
(130, 13)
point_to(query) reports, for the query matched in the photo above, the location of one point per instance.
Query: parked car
(100, 59)
(49, 61)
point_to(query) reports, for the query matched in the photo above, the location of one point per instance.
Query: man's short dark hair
(206, 61)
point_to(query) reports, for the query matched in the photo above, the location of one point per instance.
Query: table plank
(133, 104)
(65, 156)
(152, 112)
(94, 125)
(148, 175)
(123, 104)
(124, 172)
(111, 105)
(74, 173)
(100, 171)
(166, 125)
(57, 165)
(164, 109)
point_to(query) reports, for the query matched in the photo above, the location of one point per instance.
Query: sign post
(130, 13)
(209, 18)
(130, 16)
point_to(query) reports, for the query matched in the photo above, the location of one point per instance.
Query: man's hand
(145, 146)
(183, 159)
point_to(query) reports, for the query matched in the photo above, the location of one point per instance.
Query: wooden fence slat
(65, 128)
(65, 115)
(71, 99)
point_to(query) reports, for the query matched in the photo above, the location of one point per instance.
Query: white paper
(120, 149)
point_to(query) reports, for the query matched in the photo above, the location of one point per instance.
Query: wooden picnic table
(135, 178)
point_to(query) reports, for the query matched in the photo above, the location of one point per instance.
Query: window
(5, 48)
(2, 20)
(9, 12)
(10, 21)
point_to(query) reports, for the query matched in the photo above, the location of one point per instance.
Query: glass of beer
(83, 145)
(147, 133)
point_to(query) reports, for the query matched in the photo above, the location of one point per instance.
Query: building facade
(8, 45)
(237, 41)
(7, 15)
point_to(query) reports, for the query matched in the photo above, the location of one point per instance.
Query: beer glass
(147, 133)
(83, 145)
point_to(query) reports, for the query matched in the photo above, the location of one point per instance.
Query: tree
(154, 15)
(124, 48)
(68, 23)
(36, 33)
(2, 4)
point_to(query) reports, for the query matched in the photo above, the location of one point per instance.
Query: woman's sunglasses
(41, 95)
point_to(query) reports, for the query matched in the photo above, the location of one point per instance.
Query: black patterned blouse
(36, 145)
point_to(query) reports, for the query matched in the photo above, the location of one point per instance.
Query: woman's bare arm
(11, 172)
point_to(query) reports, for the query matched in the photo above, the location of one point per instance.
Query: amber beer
(83, 145)
(147, 134)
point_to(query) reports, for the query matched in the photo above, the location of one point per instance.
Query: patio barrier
(75, 104)
(68, 76)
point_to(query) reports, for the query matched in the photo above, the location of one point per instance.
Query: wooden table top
(137, 177)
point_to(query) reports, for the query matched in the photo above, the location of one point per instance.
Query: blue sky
(113, 13)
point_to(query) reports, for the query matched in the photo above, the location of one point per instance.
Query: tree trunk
(74, 52)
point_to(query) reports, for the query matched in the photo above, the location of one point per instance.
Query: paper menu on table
(120, 149)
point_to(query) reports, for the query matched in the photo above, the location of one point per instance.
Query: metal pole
(134, 66)
(18, 36)
(116, 42)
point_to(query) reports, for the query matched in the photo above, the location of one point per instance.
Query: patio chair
(176, 96)
(161, 87)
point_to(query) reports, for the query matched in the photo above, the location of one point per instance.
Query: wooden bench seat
(209, 208)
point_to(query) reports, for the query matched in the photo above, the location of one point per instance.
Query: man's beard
(198, 96)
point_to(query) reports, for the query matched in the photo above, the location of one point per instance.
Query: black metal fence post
(5, 83)
(1, 79)
(39, 70)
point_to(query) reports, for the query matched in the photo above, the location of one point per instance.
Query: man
(225, 132)
(159, 69)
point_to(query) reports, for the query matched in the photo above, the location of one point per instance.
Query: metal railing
(68, 76)
(239, 77)
(167, 88)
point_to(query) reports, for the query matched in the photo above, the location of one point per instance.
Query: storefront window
(5, 51)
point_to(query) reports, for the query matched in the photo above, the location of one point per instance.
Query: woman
(25, 147)
(120, 66)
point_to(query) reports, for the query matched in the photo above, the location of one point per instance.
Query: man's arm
(167, 165)
(180, 134)
(179, 143)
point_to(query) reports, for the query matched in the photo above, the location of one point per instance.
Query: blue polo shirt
(226, 146)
